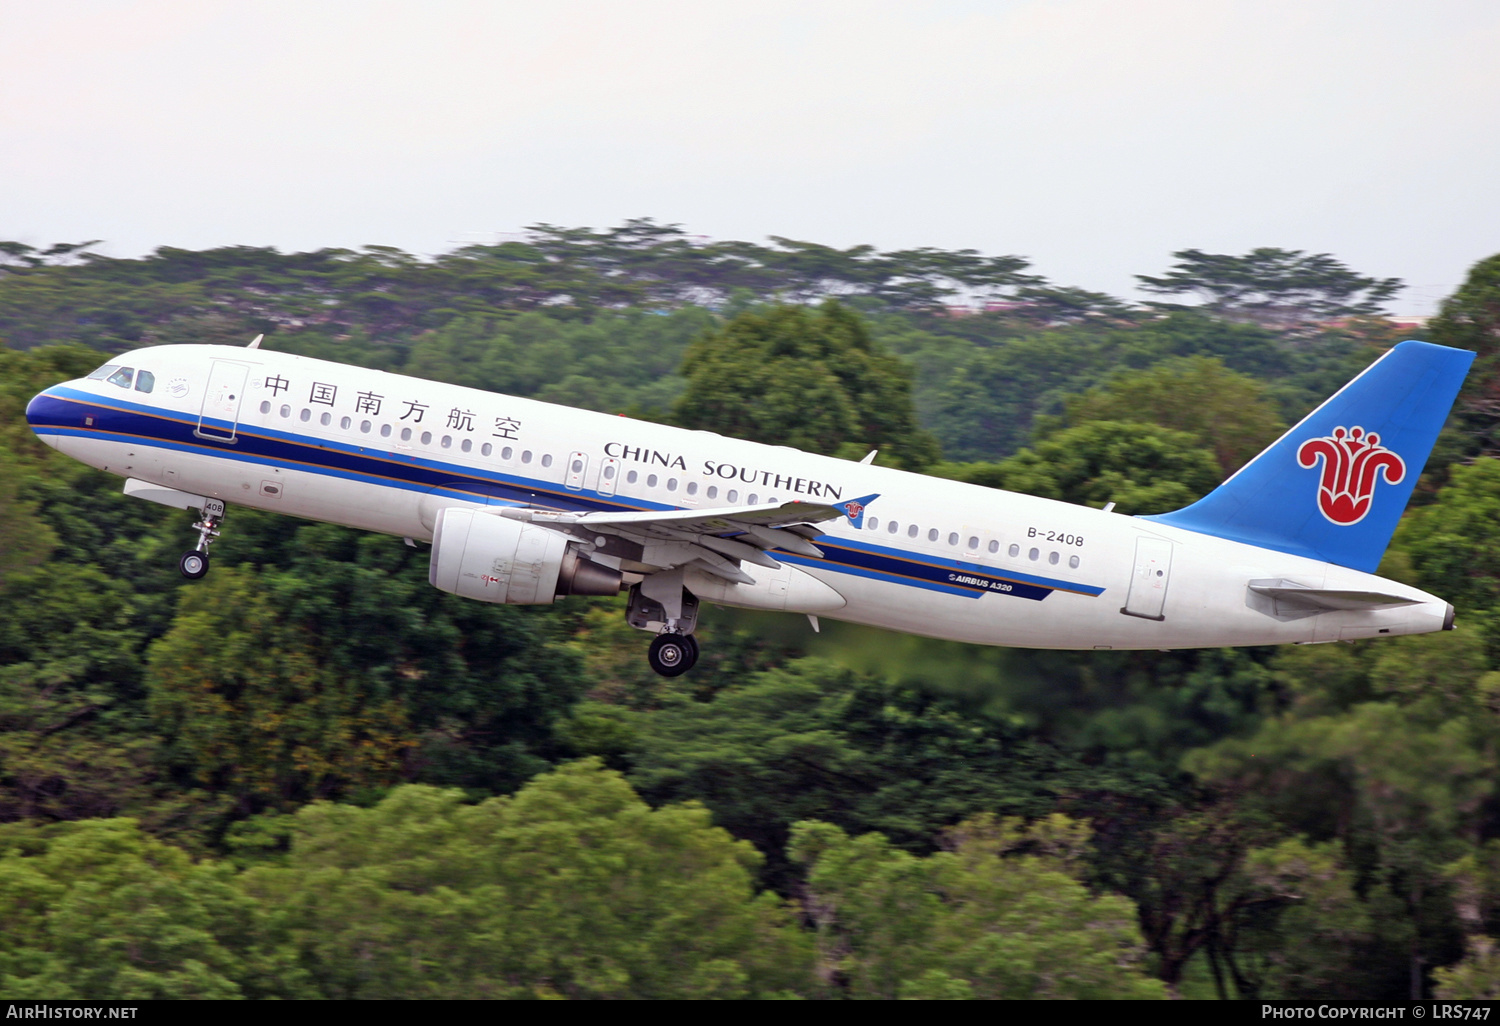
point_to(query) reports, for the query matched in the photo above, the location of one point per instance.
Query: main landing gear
(194, 564)
(660, 603)
(672, 654)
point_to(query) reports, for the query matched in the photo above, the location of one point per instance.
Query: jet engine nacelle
(482, 556)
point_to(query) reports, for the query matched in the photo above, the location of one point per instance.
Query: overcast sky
(1093, 137)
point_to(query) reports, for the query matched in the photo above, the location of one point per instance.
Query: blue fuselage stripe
(63, 411)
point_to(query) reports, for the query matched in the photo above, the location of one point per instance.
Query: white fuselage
(384, 452)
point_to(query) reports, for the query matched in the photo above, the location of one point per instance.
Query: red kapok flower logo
(853, 510)
(1352, 460)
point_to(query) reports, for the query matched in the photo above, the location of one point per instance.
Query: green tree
(815, 740)
(100, 910)
(1228, 413)
(1000, 914)
(812, 380)
(74, 738)
(1451, 546)
(1470, 319)
(246, 704)
(1142, 468)
(1476, 978)
(572, 888)
(1278, 288)
(1401, 776)
(1300, 930)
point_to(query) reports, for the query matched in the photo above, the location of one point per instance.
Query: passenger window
(344, 423)
(467, 445)
(932, 535)
(486, 449)
(1053, 558)
(671, 484)
(507, 453)
(1073, 562)
(326, 419)
(265, 407)
(872, 523)
(892, 527)
(712, 493)
(525, 455)
(911, 532)
(145, 381)
(447, 441)
(385, 431)
(305, 416)
(1034, 555)
(1014, 551)
(953, 538)
(406, 434)
(286, 411)
(609, 472)
(754, 499)
(364, 427)
(577, 467)
(426, 437)
(733, 496)
(546, 459)
(650, 480)
(122, 377)
(692, 488)
(632, 477)
(994, 546)
(973, 542)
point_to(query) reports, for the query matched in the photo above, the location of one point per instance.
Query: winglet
(854, 509)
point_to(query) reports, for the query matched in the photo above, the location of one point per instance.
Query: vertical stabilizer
(1333, 487)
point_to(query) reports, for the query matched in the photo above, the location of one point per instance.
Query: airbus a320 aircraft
(525, 502)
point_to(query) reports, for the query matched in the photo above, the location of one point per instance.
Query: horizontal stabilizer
(1289, 592)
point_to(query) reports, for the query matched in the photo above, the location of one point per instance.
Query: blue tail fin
(1333, 487)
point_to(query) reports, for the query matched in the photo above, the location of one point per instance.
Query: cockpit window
(145, 381)
(104, 372)
(122, 377)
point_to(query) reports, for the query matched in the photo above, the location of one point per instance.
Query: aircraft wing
(714, 540)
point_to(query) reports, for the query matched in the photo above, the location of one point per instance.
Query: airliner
(526, 502)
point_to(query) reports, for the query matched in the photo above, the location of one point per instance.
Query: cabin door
(220, 416)
(1149, 579)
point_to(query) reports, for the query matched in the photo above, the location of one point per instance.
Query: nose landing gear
(194, 564)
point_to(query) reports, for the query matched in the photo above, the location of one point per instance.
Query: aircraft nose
(42, 412)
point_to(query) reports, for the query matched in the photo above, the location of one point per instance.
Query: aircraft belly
(310, 495)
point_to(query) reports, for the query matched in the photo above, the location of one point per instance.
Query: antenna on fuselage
(869, 456)
(256, 344)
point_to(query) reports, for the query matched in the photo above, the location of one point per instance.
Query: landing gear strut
(194, 564)
(673, 611)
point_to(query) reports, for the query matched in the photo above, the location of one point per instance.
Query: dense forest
(312, 775)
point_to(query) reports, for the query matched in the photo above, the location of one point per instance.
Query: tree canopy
(312, 775)
(1278, 288)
